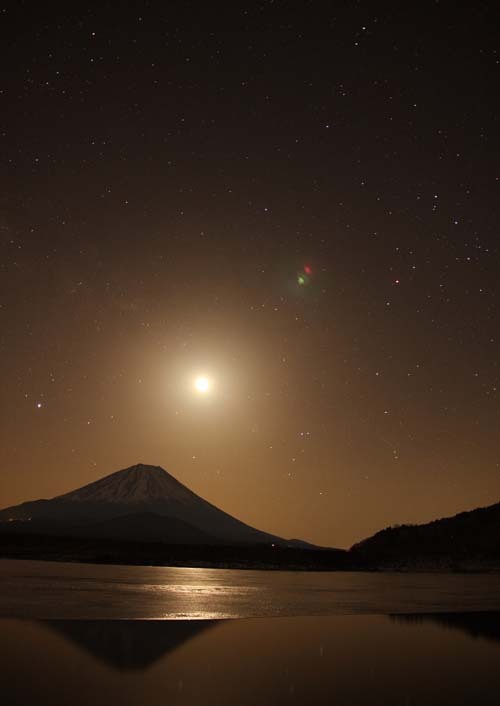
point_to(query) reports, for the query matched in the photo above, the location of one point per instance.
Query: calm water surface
(336, 660)
(85, 635)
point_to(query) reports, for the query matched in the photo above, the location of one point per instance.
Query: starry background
(168, 171)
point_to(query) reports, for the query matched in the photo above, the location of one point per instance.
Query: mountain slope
(473, 535)
(137, 490)
(145, 527)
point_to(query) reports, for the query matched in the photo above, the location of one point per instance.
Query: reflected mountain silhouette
(129, 644)
(476, 624)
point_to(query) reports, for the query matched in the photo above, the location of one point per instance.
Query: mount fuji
(142, 503)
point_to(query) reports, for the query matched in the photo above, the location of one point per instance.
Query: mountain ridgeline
(138, 503)
(142, 514)
(468, 540)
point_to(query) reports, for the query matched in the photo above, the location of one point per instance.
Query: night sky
(300, 203)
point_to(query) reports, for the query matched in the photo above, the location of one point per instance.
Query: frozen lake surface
(51, 590)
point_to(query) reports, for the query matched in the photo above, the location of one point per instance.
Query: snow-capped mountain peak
(139, 491)
(136, 484)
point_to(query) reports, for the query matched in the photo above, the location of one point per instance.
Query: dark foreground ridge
(143, 515)
(469, 540)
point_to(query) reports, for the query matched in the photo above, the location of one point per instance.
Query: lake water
(79, 635)
(30, 589)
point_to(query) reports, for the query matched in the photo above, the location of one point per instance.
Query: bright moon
(202, 384)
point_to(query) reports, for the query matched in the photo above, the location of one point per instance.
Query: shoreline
(256, 558)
